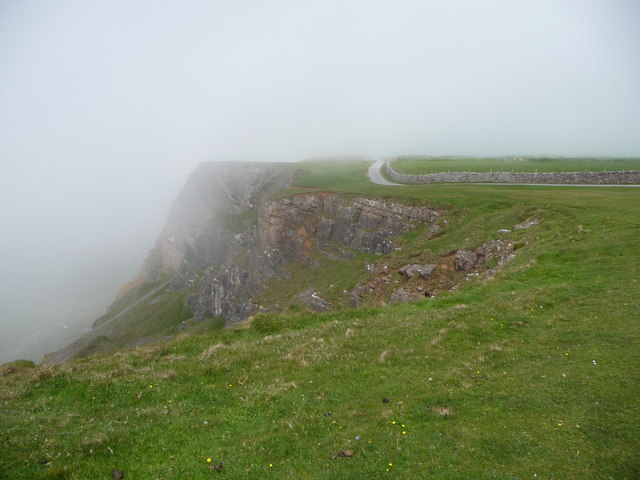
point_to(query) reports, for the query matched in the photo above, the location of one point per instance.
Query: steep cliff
(203, 232)
(226, 238)
(304, 228)
(207, 216)
(231, 248)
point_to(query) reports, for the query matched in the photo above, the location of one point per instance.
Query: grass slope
(529, 374)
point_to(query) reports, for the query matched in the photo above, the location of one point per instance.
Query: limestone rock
(414, 270)
(298, 223)
(404, 295)
(312, 300)
(465, 260)
(525, 225)
(356, 298)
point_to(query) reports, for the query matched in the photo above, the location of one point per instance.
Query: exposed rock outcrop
(465, 260)
(303, 228)
(423, 271)
(312, 300)
(202, 239)
(299, 223)
(404, 295)
(469, 261)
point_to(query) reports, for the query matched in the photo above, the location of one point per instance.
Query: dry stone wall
(630, 177)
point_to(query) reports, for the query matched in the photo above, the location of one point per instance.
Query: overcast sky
(107, 106)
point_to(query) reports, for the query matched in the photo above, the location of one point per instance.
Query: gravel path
(375, 175)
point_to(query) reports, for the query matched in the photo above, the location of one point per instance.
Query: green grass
(161, 315)
(329, 280)
(149, 317)
(337, 175)
(422, 165)
(238, 223)
(132, 295)
(529, 374)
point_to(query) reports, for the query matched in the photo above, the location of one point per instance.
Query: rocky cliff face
(226, 239)
(293, 230)
(299, 223)
(198, 233)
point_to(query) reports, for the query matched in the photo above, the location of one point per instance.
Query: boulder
(414, 270)
(311, 299)
(356, 297)
(465, 260)
(403, 295)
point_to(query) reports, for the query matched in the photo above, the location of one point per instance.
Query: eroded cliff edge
(234, 245)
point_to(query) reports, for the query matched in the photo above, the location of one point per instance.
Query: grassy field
(531, 374)
(422, 165)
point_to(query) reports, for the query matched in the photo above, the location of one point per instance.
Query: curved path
(375, 175)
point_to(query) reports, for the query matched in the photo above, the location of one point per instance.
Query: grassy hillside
(531, 374)
(421, 165)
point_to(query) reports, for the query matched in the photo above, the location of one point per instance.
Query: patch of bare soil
(443, 410)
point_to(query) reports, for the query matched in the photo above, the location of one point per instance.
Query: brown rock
(343, 454)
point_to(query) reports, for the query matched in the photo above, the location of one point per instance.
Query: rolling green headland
(531, 373)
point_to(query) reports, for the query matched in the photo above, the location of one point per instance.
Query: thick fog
(106, 107)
